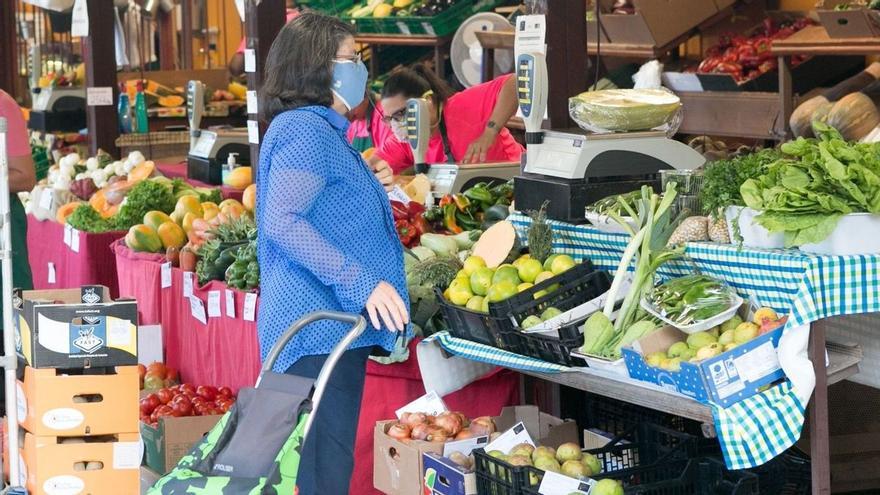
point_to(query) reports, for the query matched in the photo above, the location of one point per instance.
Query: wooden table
(813, 40)
(439, 43)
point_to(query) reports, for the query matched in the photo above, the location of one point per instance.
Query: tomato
(157, 369)
(154, 401)
(207, 392)
(171, 373)
(729, 68)
(187, 388)
(200, 409)
(224, 392)
(163, 411)
(182, 408)
(165, 395)
(146, 407)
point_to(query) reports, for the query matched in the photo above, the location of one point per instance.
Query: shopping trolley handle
(357, 322)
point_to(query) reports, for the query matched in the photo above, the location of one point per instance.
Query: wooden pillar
(263, 21)
(820, 446)
(566, 57)
(99, 53)
(186, 35)
(8, 45)
(167, 40)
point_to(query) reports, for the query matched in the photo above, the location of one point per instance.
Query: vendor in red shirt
(468, 125)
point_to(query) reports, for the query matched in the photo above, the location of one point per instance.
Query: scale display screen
(412, 121)
(525, 71)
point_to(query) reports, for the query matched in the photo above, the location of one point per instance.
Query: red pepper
(784, 33)
(729, 57)
(745, 51)
(708, 64)
(768, 65)
(729, 68)
(445, 200)
(769, 26)
(421, 225)
(406, 232)
(762, 45)
(399, 210)
(415, 209)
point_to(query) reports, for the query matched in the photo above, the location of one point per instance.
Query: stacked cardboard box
(78, 400)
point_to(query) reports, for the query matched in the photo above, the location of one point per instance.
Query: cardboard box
(855, 22)
(52, 467)
(50, 403)
(657, 22)
(724, 380)
(444, 477)
(173, 439)
(84, 329)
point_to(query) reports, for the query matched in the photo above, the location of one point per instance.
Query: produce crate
(787, 474)
(618, 418)
(333, 7)
(475, 326)
(442, 24)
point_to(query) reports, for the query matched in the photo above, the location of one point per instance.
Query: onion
(420, 431)
(483, 425)
(464, 434)
(450, 422)
(437, 434)
(399, 432)
(412, 419)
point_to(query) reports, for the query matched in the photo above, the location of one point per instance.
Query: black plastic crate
(618, 418)
(475, 326)
(788, 474)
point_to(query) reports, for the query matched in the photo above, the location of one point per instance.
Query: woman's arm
(22, 176)
(505, 108)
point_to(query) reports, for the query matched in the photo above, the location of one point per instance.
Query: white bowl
(753, 234)
(856, 233)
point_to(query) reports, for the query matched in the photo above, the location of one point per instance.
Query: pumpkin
(249, 197)
(171, 235)
(143, 239)
(65, 211)
(101, 205)
(143, 171)
(854, 116)
(155, 218)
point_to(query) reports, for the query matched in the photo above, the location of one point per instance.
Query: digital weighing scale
(573, 170)
(209, 149)
(447, 178)
(58, 109)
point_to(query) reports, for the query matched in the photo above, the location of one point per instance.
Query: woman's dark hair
(413, 82)
(299, 67)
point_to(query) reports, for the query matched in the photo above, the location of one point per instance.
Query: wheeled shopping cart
(255, 448)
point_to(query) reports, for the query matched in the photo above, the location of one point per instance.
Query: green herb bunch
(722, 179)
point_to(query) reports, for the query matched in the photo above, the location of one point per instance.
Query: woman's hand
(476, 152)
(386, 304)
(384, 174)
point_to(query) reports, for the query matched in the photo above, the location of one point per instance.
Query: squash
(249, 197)
(239, 178)
(171, 101)
(65, 211)
(143, 239)
(496, 243)
(141, 172)
(623, 109)
(101, 205)
(820, 114)
(854, 116)
(155, 218)
(804, 115)
(171, 235)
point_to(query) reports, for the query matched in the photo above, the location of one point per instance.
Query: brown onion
(412, 419)
(399, 431)
(464, 434)
(437, 434)
(419, 431)
(449, 422)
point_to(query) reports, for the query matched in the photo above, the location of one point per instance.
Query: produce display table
(56, 265)
(176, 170)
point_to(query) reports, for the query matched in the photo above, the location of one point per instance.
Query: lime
(484, 305)
(472, 263)
(506, 273)
(530, 322)
(561, 263)
(550, 313)
(475, 303)
(540, 294)
(480, 280)
(524, 286)
(549, 261)
(520, 260)
(501, 291)
(529, 269)
(460, 292)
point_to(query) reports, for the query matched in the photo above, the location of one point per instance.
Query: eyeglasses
(398, 116)
(357, 57)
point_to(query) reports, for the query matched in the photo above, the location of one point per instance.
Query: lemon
(383, 10)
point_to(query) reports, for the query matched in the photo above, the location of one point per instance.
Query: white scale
(209, 149)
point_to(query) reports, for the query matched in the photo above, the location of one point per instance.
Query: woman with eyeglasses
(466, 127)
(326, 237)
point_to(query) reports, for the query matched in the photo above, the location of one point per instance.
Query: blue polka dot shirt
(326, 236)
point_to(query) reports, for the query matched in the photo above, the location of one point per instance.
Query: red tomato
(163, 411)
(187, 388)
(200, 409)
(183, 408)
(146, 407)
(154, 401)
(224, 392)
(207, 392)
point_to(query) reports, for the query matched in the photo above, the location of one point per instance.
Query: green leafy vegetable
(144, 197)
(86, 219)
(722, 179)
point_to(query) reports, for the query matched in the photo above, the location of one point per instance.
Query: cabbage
(624, 109)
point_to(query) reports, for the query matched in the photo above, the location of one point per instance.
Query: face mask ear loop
(430, 94)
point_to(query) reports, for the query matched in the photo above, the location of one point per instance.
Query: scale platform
(206, 159)
(447, 178)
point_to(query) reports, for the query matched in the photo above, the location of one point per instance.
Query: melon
(854, 116)
(249, 197)
(143, 239)
(623, 109)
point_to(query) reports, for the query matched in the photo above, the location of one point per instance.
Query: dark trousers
(328, 454)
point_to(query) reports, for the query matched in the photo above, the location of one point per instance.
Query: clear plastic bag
(691, 300)
(626, 110)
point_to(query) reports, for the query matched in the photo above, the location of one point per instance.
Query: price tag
(403, 27)
(51, 277)
(559, 484)
(197, 308)
(74, 240)
(166, 275)
(230, 303)
(430, 403)
(187, 284)
(67, 234)
(250, 60)
(80, 19)
(429, 29)
(250, 307)
(465, 446)
(511, 438)
(46, 199)
(253, 132)
(99, 97)
(214, 304)
(397, 194)
(251, 98)
(531, 33)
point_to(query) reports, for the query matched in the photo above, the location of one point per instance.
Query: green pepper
(466, 221)
(449, 219)
(461, 202)
(433, 214)
(504, 190)
(479, 193)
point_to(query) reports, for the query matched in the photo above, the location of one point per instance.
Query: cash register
(210, 149)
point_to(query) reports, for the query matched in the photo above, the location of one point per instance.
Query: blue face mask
(349, 82)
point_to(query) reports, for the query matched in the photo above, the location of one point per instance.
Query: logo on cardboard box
(87, 340)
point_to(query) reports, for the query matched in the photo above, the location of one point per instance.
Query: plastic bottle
(124, 111)
(140, 110)
(228, 167)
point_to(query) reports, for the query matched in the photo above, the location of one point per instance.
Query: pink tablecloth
(139, 276)
(93, 264)
(175, 170)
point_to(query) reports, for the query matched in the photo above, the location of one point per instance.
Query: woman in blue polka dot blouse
(326, 238)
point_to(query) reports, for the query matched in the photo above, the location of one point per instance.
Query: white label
(559, 484)
(253, 132)
(682, 81)
(187, 284)
(41, 105)
(166, 275)
(21, 402)
(74, 240)
(430, 403)
(46, 199)
(99, 97)
(511, 438)
(67, 234)
(118, 332)
(250, 307)
(80, 19)
(429, 29)
(127, 455)
(250, 60)
(64, 485)
(397, 194)
(63, 418)
(403, 27)
(230, 303)
(51, 270)
(214, 304)
(757, 363)
(531, 31)
(251, 98)
(465, 446)
(197, 308)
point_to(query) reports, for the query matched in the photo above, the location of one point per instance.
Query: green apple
(550, 313)
(481, 280)
(531, 321)
(562, 263)
(472, 263)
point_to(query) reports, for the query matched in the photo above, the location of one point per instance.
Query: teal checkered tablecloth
(805, 287)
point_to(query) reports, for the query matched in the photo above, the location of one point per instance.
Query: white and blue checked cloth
(805, 287)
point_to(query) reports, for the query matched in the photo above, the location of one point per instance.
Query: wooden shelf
(401, 39)
(844, 363)
(814, 40)
(745, 114)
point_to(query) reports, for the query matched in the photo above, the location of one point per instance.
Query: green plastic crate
(442, 24)
(333, 7)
